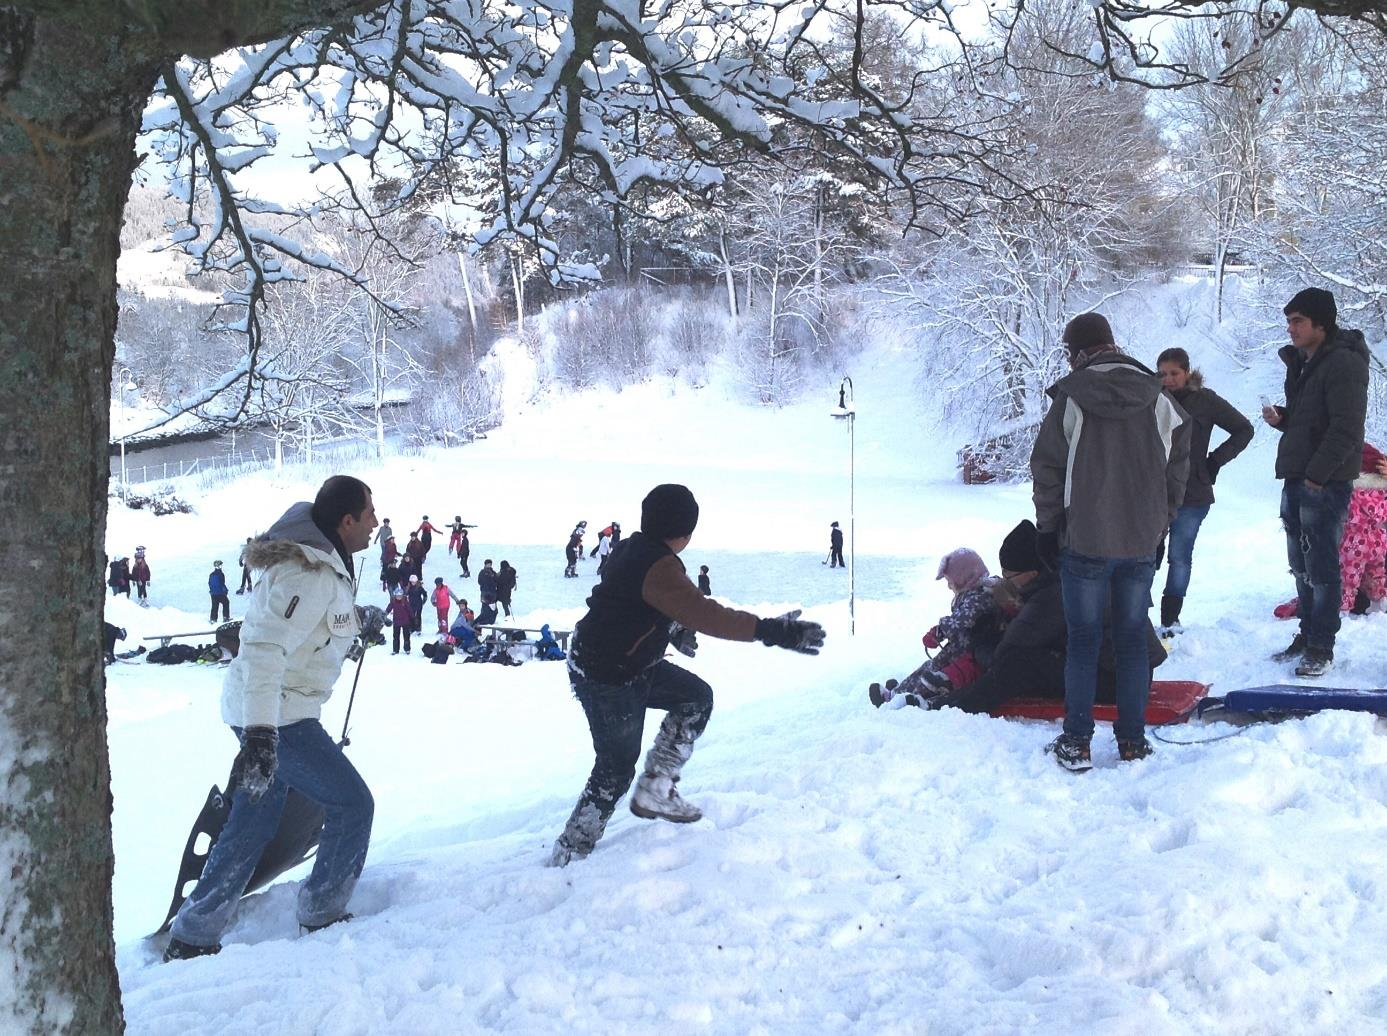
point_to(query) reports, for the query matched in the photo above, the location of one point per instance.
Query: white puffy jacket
(297, 630)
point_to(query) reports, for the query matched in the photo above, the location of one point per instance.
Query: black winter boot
(177, 949)
(1170, 610)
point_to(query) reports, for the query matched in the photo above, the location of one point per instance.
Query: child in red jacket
(442, 601)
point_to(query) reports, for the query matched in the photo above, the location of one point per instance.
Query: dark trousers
(312, 763)
(401, 629)
(835, 557)
(616, 718)
(504, 600)
(1122, 587)
(463, 559)
(223, 602)
(142, 589)
(245, 579)
(1314, 524)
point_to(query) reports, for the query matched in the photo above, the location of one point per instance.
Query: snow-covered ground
(856, 871)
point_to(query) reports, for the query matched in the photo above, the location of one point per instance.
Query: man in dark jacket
(1319, 456)
(464, 552)
(1109, 467)
(505, 585)
(644, 604)
(835, 546)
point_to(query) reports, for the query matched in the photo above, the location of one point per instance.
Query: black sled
(300, 826)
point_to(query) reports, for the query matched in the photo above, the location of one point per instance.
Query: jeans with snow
(1314, 524)
(616, 717)
(311, 763)
(1123, 585)
(1180, 548)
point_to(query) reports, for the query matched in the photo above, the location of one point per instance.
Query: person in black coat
(705, 585)
(835, 547)
(1207, 410)
(505, 586)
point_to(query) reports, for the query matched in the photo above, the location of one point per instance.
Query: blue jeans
(616, 718)
(1180, 548)
(310, 762)
(1314, 524)
(1089, 586)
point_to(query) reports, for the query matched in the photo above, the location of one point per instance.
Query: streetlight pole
(847, 410)
(125, 383)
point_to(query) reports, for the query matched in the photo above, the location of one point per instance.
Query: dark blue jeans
(616, 718)
(1180, 548)
(1121, 586)
(1314, 524)
(310, 762)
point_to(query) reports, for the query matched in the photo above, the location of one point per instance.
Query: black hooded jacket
(1326, 404)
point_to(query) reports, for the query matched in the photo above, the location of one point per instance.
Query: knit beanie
(1315, 303)
(668, 512)
(1018, 552)
(963, 568)
(1087, 331)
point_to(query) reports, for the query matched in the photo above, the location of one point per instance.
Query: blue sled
(1298, 699)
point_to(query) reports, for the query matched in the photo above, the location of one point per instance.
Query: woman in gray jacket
(1207, 410)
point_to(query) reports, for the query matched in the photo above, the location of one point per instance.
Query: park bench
(494, 634)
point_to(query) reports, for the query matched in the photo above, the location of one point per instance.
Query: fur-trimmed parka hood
(287, 538)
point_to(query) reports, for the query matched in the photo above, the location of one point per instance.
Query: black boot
(1170, 610)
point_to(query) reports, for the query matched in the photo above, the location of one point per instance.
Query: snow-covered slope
(856, 871)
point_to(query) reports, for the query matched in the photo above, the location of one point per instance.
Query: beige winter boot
(658, 798)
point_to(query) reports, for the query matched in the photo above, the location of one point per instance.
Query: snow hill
(857, 871)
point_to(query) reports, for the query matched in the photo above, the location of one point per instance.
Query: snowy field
(856, 871)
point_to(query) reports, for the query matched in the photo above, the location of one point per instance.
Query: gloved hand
(789, 631)
(1212, 465)
(372, 621)
(1047, 549)
(683, 639)
(931, 638)
(257, 760)
(1160, 552)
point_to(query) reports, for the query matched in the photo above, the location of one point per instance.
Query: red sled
(1171, 701)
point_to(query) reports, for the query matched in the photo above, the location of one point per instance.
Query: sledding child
(1363, 549)
(954, 667)
(443, 602)
(401, 617)
(645, 603)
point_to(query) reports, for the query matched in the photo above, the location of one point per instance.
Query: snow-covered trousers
(1363, 549)
(616, 717)
(312, 763)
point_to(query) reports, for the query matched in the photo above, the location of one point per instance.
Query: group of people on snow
(1123, 475)
(300, 627)
(123, 572)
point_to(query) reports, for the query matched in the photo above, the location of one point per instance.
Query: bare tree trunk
(73, 93)
(519, 288)
(729, 277)
(471, 305)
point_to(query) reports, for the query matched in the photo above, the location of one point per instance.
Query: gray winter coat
(1326, 403)
(297, 630)
(1208, 410)
(1111, 459)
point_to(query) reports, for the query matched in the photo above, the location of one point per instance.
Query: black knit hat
(1315, 303)
(1087, 331)
(668, 512)
(1018, 552)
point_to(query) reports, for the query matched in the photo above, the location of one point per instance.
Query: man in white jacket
(296, 634)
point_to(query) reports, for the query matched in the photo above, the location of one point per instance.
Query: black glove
(257, 761)
(1160, 552)
(372, 621)
(1047, 550)
(683, 639)
(1212, 465)
(789, 631)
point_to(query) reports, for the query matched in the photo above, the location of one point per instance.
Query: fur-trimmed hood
(295, 538)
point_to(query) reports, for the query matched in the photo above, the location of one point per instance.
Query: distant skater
(835, 547)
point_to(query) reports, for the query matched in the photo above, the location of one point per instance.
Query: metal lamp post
(125, 383)
(846, 410)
